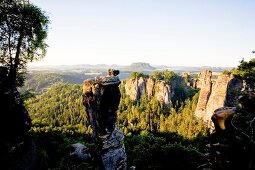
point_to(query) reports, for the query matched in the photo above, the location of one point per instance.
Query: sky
(159, 32)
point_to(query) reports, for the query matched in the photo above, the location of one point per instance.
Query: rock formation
(149, 86)
(17, 150)
(218, 96)
(135, 88)
(101, 98)
(221, 116)
(202, 77)
(187, 79)
(163, 92)
(205, 84)
(214, 95)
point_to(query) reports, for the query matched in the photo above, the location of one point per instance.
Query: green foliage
(40, 81)
(246, 71)
(157, 75)
(53, 149)
(150, 152)
(135, 75)
(151, 115)
(185, 123)
(58, 109)
(168, 76)
(178, 85)
(23, 30)
(27, 95)
(226, 72)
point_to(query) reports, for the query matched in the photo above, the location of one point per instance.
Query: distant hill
(39, 81)
(140, 67)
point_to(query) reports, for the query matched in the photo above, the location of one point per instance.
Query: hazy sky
(160, 32)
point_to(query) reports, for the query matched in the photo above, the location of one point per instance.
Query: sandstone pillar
(101, 98)
(205, 83)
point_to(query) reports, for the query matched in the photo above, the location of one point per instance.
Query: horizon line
(157, 65)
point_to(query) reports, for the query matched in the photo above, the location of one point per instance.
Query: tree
(169, 76)
(246, 72)
(23, 30)
(135, 75)
(157, 75)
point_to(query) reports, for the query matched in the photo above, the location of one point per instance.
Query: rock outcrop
(101, 98)
(214, 95)
(17, 150)
(204, 82)
(218, 96)
(221, 117)
(203, 77)
(163, 92)
(187, 79)
(135, 88)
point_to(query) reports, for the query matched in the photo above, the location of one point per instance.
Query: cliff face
(135, 88)
(218, 96)
(233, 93)
(214, 95)
(203, 82)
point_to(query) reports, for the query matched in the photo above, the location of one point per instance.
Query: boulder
(80, 152)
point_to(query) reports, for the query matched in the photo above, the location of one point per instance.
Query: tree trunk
(14, 67)
(10, 53)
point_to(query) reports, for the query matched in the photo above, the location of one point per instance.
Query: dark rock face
(247, 102)
(101, 98)
(233, 92)
(16, 119)
(15, 123)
